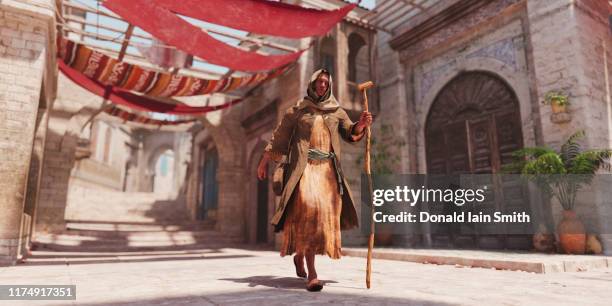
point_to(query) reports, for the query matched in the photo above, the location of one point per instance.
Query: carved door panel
(447, 150)
(436, 152)
(514, 195)
(481, 148)
(457, 148)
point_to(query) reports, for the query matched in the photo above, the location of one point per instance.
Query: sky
(369, 4)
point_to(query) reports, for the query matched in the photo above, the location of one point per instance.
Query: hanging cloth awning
(259, 16)
(109, 71)
(172, 30)
(131, 117)
(142, 103)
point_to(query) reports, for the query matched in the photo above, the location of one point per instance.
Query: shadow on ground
(274, 282)
(274, 297)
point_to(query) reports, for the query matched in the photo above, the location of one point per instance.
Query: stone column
(25, 34)
(340, 77)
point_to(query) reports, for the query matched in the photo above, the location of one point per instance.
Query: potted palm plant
(558, 101)
(561, 175)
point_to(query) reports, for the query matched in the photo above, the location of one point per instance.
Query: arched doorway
(207, 208)
(473, 127)
(163, 181)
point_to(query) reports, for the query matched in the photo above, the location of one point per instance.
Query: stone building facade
(27, 91)
(523, 49)
(53, 143)
(520, 49)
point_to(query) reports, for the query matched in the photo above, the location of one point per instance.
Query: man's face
(322, 84)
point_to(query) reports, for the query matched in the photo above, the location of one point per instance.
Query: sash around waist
(316, 154)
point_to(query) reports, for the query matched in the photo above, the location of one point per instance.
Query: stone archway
(228, 137)
(162, 166)
(62, 141)
(154, 146)
(472, 127)
(358, 64)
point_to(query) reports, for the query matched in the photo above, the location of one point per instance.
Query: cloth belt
(316, 154)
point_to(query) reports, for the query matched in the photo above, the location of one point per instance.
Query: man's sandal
(314, 285)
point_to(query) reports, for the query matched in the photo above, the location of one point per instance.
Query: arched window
(358, 63)
(358, 60)
(327, 55)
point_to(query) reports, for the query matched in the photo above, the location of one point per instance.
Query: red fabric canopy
(109, 71)
(260, 16)
(127, 116)
(137, 102)
(172, 30)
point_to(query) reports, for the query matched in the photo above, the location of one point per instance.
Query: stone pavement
(234, 276)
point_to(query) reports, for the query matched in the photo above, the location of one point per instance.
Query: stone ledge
(6, 261)
(34, 8)
(560, 118)
(514, 261)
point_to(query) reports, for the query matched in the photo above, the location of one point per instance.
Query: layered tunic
(313, 218)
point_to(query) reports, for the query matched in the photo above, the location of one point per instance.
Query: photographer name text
(456, 217)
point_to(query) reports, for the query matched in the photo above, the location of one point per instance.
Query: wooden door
(209, 185)
(473, 127)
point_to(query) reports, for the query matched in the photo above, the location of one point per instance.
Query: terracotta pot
(572, 235)
(556, 108)
(544, 242)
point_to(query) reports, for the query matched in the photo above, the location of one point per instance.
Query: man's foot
(314, 285)
(298, 261)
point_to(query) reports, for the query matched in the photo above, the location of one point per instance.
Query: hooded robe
(316, 201)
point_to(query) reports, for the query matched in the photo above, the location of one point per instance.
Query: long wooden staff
(363, 87)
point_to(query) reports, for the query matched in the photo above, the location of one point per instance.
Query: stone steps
(111, 221)
(91, 204)
(140, 236)
(94, 226)
(129, 237)
(59, 247)
(151, 240)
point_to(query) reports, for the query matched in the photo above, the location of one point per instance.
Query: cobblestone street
(240, 276)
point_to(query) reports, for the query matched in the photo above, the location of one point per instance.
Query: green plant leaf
(588, 162)
(563, 174)
(557, 96)
(571, 148)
